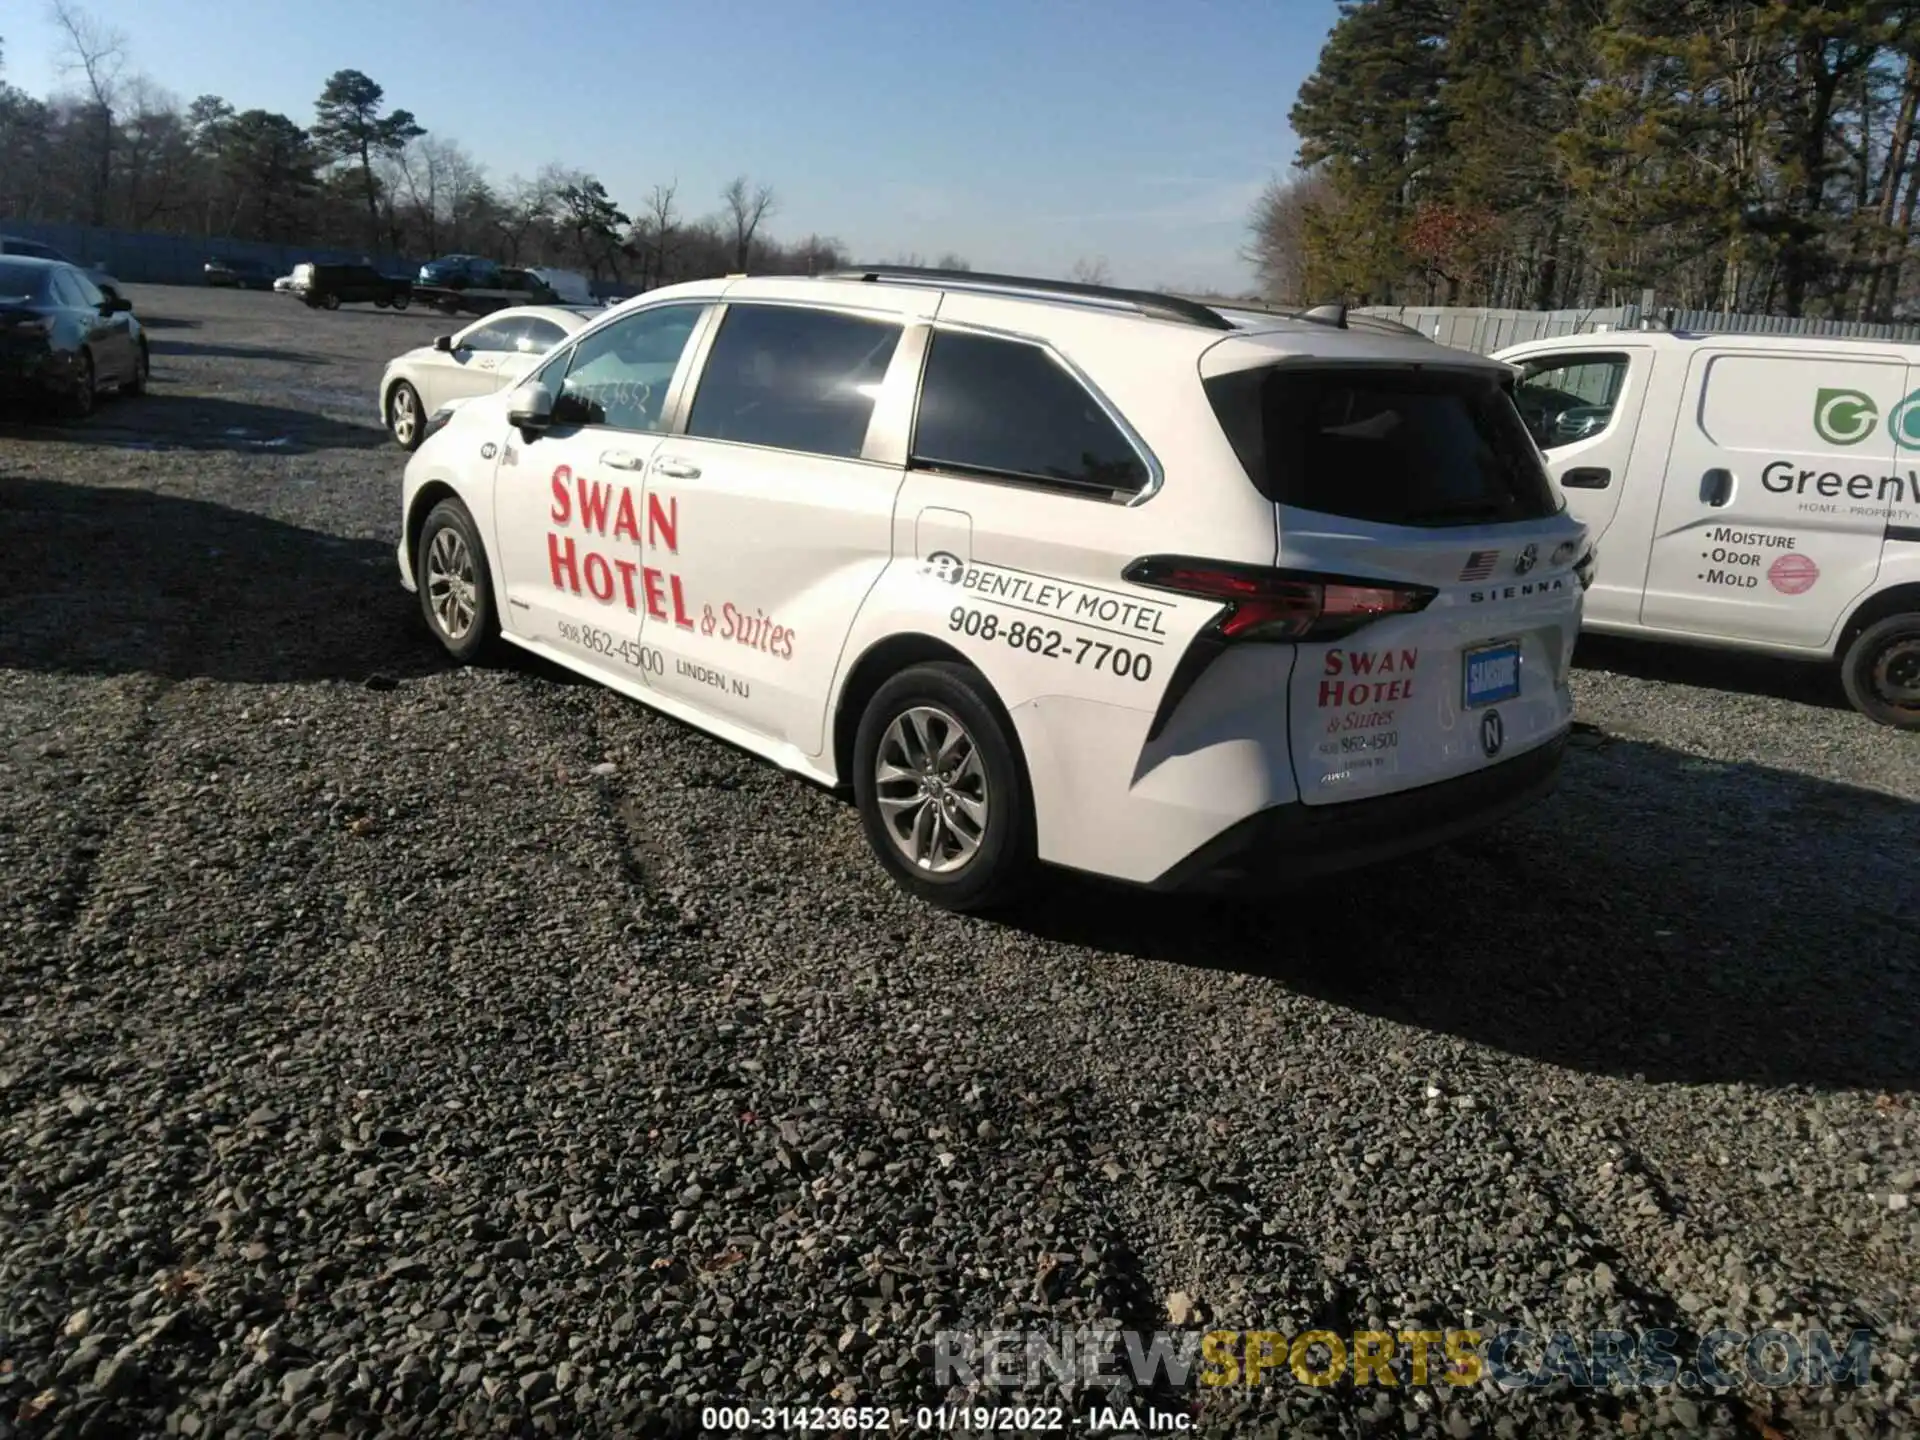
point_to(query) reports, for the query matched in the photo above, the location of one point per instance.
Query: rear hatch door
(1419, 476)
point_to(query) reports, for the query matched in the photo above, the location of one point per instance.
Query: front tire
(332, 302)
(405, 420)
(456, 590)
(942, 792)
(1881, 672)
(142, 372)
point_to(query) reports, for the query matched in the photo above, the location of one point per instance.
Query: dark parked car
(461, 272)
(62, 340)
(33, 249)
(331, 286)
(240, 273)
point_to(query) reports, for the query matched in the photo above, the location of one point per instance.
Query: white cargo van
(1754, 491)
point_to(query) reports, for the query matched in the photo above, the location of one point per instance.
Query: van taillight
(1264, 603)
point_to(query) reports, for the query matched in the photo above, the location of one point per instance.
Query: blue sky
(1024, 134)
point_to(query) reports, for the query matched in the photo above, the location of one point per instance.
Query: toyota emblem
(1528, 557)
(1493, 734)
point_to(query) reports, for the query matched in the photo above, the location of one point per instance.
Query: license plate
(1493, 674)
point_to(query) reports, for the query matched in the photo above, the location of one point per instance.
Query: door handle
(622, 460)
(1587, 477)
(676, 469)
(1716, 486)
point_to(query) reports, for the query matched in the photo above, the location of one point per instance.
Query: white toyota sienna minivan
(1039, 573)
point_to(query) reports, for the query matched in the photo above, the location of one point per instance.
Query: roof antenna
(1334, 315)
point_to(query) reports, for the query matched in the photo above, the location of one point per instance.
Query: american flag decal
(1479, 565)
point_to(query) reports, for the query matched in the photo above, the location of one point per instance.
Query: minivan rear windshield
(1395, 446)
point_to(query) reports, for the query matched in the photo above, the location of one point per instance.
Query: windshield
(23, 282)
(1397, 446)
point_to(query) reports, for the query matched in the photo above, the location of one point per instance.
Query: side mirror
(531, 407)
(443, 343)
(119, 305)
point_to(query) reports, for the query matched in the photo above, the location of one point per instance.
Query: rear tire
(400, 302)
(332, 302)
(80, 404)
(1881, 672)
(456, 589)
(942, 792)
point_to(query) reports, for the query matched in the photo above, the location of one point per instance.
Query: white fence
(1485, 331)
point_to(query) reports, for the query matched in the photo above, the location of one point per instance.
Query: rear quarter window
(1388, 446)
(1006, 409)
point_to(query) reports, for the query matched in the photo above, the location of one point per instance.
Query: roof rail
(1147, 302)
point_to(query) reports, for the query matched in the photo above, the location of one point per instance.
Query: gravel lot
(392, 1049)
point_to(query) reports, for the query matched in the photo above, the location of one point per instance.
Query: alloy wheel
(931, 789)
(453, 593)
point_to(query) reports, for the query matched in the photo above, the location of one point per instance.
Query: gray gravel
(374, 1059)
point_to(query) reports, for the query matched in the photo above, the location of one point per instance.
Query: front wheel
(1881, 671)
(333, 302)
(403, 416)
(400, 302)
(142, 372)
(942, 793)
(456, 591)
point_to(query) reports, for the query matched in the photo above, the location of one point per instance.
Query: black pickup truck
(329, 287)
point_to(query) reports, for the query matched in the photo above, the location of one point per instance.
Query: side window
(1009, 409)
(89, 292)
(495, 335)
(64, 291)
(1569, 397)
(793, 379)
(619, 375)
(538, 336)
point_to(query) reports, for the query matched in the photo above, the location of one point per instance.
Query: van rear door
(1418, 479)
(1779, 485)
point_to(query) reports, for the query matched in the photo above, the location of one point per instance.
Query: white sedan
(494, 352)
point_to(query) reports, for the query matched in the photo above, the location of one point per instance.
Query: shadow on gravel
(198, 422)
(165, 322)
(1661, 916)
(1797, 681)
(232, 352)
(105, 581)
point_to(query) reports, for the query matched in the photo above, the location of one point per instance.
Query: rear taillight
(1264, 603)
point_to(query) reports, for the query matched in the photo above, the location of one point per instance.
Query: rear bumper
(1288, 843)
(25, 374)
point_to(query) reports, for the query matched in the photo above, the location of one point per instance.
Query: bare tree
(98, 53)
(745, 209)
(953, 261)
(1277, 241)
(656, 235)
(1091, 271)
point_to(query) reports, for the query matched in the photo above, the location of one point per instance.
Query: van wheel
(456, 591)
(942, 794)
(1881, 671)
(333, 302)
